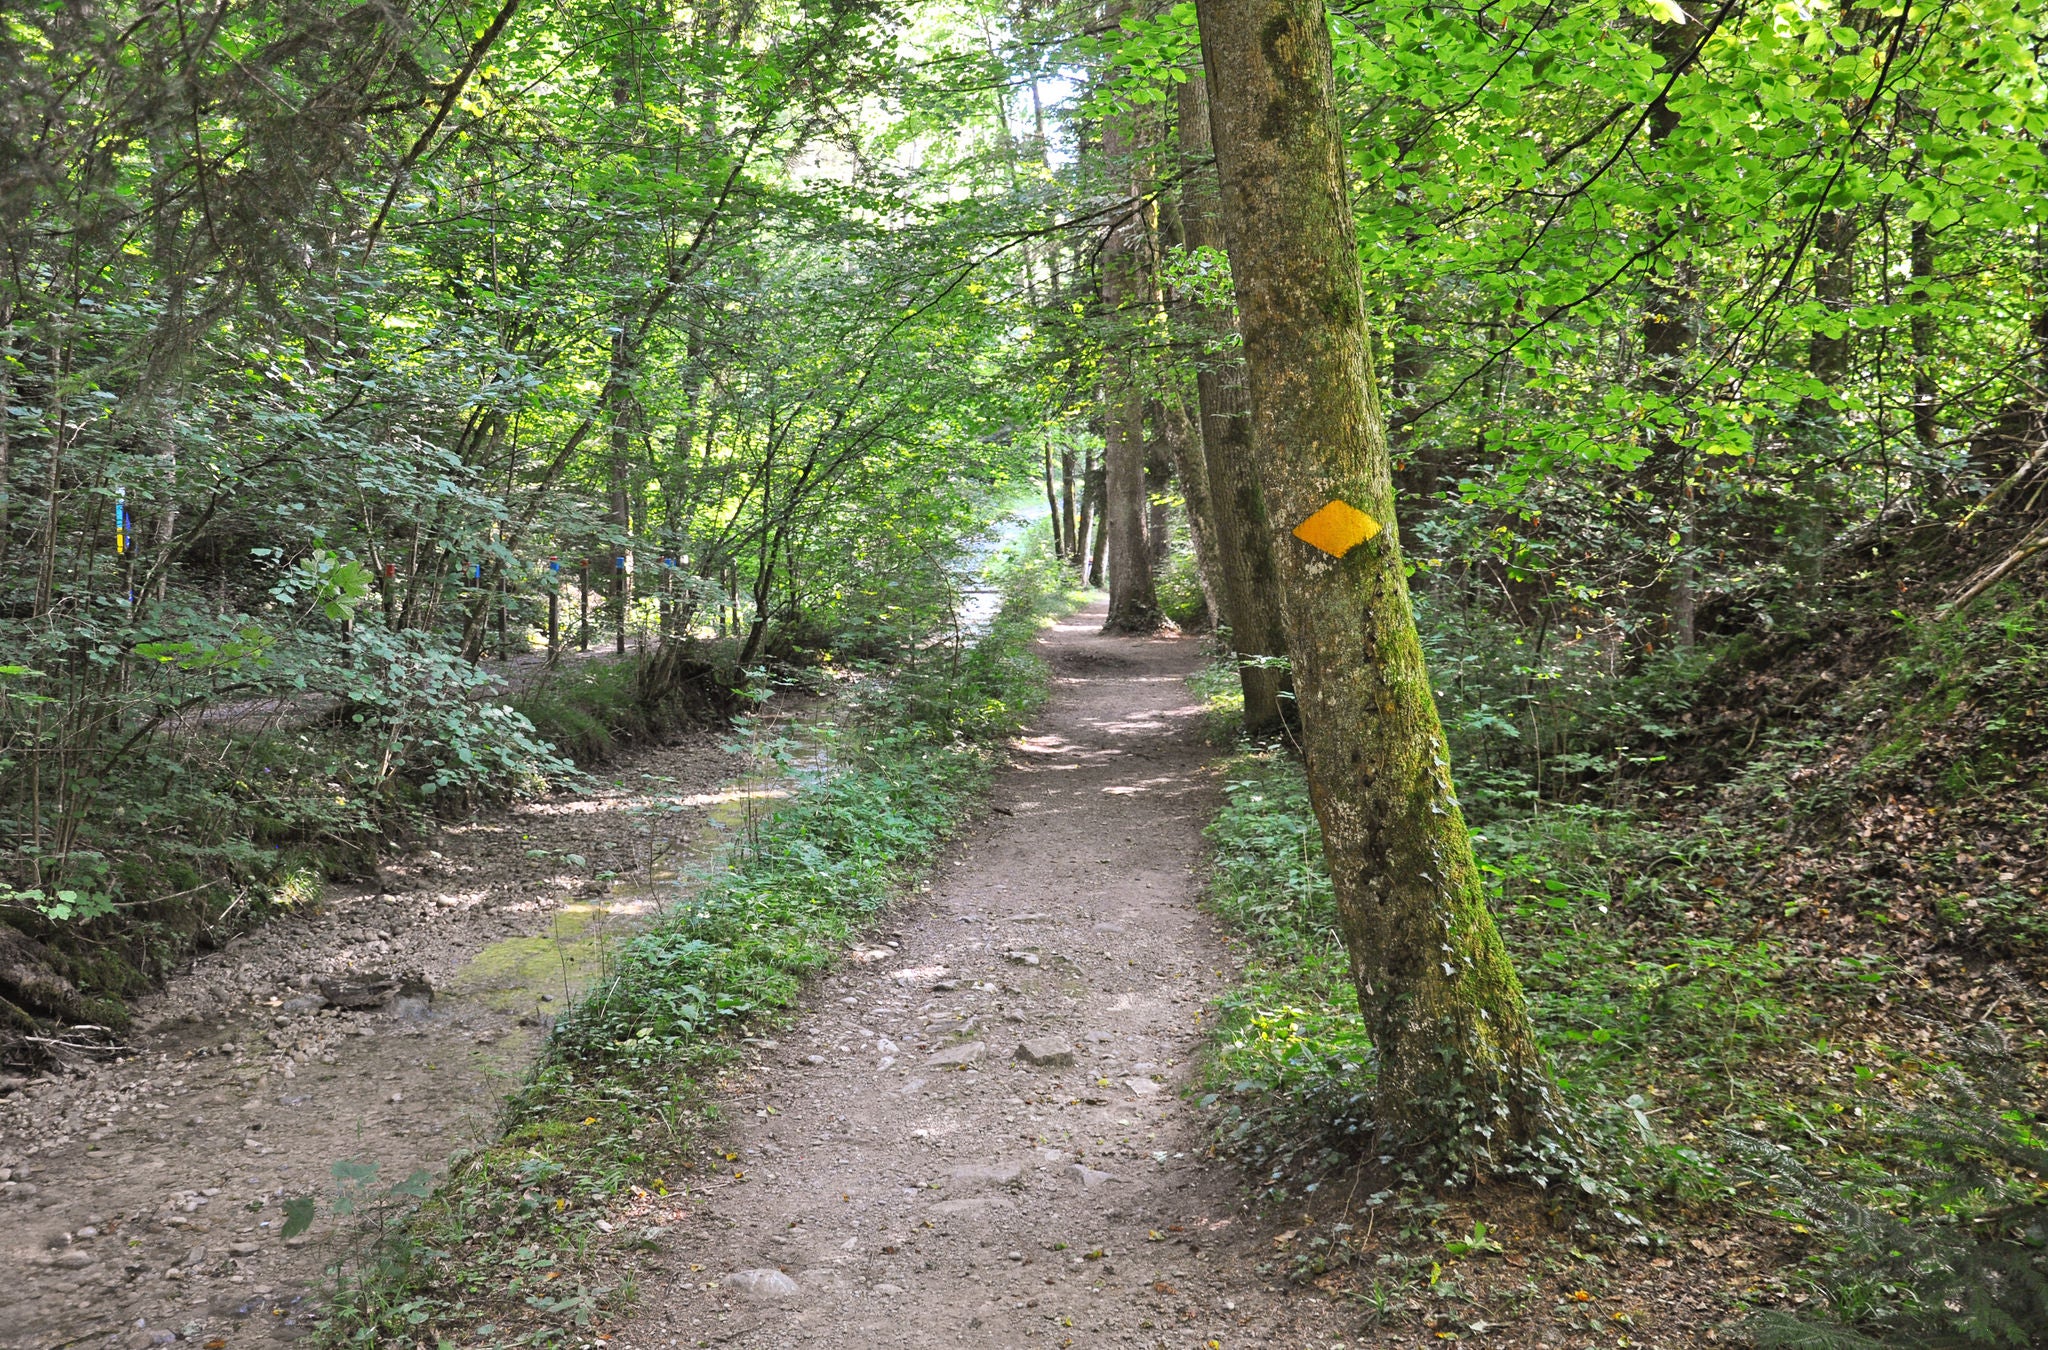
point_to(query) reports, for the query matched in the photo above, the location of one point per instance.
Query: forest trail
(898, 1178)
(141, 1201)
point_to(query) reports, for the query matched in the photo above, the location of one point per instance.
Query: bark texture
(1133, 599)
(1667, 333)
(1926, 384)
(1458, 1069)
(1097, 478)
(1247, 590)
(1192, 469)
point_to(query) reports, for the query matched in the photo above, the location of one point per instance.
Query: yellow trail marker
(1337, 528)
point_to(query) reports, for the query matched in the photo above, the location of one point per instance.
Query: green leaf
(298, 1216)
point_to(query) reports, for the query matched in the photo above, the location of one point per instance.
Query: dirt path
(902, 1179)
(141, 1201)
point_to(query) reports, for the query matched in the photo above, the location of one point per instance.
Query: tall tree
(1250, 594)
(1133, 598)
(1666, 332)
(1446, 1012)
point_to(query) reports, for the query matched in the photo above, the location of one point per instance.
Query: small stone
(360, 991)
(977, 1174)
(1046, 1053)
(305, 1003)
(888, 1290)
(1021, 958)
(764, 1283)
(814, 1059)
(243, 1249)
(959, 1056)
(195, 1257)
(72, 1260)
(1142, 1087)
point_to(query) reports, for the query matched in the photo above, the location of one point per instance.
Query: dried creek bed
(141, 1200)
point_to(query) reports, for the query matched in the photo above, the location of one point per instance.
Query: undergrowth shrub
(589, 710)
(1685, 1031)
(744, 945)
(1948, 1247)
(197, 835)
(1652, 991)
(1180, 583)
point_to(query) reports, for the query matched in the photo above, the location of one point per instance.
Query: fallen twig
(1992, 575)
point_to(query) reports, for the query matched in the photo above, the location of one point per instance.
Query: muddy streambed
(142, 1201)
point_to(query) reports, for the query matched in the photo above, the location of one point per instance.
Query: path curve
(894, 1186)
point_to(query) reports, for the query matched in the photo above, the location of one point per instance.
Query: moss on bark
(1458, 1065)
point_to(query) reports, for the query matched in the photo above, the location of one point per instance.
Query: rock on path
(916, 1192)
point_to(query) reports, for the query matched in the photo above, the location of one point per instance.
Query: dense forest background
(348, 350)
(351, 348)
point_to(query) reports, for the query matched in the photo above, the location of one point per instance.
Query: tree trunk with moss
(1459, 1073)
(1247, 588)
(1183, 446)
